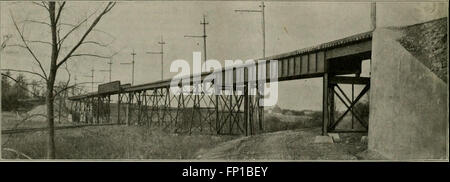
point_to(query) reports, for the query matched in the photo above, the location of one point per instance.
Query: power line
(132, 67)
(162, 55)
(92, 76)
(110, 68)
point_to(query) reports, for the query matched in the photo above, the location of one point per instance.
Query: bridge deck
(342, 56)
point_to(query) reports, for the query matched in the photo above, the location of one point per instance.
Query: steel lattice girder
(333, 89)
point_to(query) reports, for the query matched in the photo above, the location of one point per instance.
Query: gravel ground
(287, 145)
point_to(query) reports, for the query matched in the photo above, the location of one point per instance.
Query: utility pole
(110, 68)
(162, 55)
(75, 85)
(263, 24)
(92, 76)
(373, 15)
(132, 71)
(204, 23)
(132, 67)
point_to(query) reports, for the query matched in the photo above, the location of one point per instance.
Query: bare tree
(58, 57)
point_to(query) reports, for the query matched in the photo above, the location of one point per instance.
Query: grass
(277, 122)
(10, 120)
(111, 142)
(125, 142)
(130, 142)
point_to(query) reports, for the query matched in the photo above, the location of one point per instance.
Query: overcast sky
(231, 35)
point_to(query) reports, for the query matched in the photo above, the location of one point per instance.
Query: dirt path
(285, 145)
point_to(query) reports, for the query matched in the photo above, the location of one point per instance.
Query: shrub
(362, 109)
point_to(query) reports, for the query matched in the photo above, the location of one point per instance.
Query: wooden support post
(231, 110)
(246, 101)
(145, 101)
(98, 109)
(59, 109)
(127, 112)
(82, 117)
(331, 102)
(92, 110)
(325, 115)
(86, 110)
(216, 107)
(353, 98)
(139, 107)
(260, 108)
(119, 99)
(109, 109)
(167, 113)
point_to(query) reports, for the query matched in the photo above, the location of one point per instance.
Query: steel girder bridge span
(232, 111)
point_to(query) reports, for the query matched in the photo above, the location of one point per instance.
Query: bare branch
(17, 45)
(74, 27)
(42, 4)
(71, 86)
(39, 41)
(67, 82)
(24, 88)
(35, 21)
(58, 37)
(59, 11)
(108, 7)
(96, 43)
(17, 152)
(6, 38)
(68, 73)
(28, 48)
(106, 33)
(25, 71)
(91, 55)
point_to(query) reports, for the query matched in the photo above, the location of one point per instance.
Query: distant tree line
(278, 109)
(17, 91)
(361, 108)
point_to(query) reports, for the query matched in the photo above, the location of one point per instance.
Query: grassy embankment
(132, 142)
(111, 142)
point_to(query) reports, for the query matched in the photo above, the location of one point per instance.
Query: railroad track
(25, 130)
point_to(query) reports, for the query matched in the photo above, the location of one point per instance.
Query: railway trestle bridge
(232, 110)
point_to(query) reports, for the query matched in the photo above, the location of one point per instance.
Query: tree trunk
(51, 153)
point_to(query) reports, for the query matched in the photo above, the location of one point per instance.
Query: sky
(139, 26)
